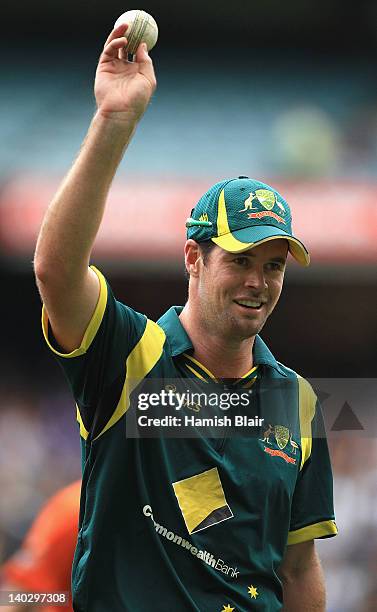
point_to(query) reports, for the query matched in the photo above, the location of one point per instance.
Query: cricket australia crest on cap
(239, 214)
(267, 199)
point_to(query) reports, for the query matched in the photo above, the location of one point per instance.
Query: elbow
(50, 267)
(40, 263)
(39, 270)
(41, 279)
(48, 261)
(42, 270)
(47, 272)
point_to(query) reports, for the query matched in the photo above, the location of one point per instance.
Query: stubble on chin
(244, 329)
(226, 324)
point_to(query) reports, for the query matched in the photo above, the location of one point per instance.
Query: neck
(224, 357)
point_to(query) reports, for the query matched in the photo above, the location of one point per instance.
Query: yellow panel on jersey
(202, 500)
(307, 403)
(140, 362)
(318, 530)
(83, 431)
(93, 326)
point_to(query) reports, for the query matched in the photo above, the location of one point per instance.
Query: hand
(123, 88)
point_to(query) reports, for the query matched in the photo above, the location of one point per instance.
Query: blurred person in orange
(43, 563)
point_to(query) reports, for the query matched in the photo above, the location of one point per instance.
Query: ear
(193, 257)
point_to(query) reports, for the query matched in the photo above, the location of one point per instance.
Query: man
(43, 564)
(207, 522)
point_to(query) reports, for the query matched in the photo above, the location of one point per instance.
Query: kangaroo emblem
(248, 203)
(267, 433)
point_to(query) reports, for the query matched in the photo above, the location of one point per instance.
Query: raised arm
(68, 287)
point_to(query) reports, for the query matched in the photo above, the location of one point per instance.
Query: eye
(241, 261)
(275, 266)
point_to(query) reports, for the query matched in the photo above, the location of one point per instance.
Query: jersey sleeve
(96, 370)
(312, 514)
(44, 561)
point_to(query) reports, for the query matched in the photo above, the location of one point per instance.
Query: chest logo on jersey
(201, 499)
(280, 436)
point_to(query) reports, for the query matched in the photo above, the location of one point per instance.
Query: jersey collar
(263, 356)
(180, 342)
(175, 332)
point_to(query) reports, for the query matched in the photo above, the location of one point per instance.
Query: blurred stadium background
(286, 93)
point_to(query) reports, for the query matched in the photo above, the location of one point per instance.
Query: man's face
(236, 293)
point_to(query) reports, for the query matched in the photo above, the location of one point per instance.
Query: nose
(255, 279)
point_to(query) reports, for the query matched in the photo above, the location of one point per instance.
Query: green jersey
(188, 522)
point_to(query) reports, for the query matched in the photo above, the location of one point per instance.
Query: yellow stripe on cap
(224, 234)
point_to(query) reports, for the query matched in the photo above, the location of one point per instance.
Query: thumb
(142, 53)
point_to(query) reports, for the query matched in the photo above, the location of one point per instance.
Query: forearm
(69, 289)
(305, 593)
(73, 218)
(123, 90)
(303, 580)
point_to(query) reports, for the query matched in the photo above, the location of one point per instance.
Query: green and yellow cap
(240, 213)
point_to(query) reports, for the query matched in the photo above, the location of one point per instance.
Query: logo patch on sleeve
(202, 500)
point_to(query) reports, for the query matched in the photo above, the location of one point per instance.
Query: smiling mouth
(249, 304)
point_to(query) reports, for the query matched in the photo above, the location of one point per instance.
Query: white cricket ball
(141, 28)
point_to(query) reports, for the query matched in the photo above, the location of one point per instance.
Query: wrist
(120, 120)
(113, 130)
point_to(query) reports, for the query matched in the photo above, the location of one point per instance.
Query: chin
(247, 329)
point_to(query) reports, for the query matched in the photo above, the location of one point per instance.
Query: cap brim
(249, 237)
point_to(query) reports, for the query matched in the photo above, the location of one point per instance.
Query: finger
(116, 33)
(111, 50)
(142, 53)
(145, 64)
(125, 56)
